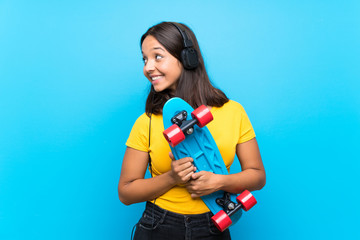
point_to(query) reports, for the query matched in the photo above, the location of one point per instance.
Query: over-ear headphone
(189, 57)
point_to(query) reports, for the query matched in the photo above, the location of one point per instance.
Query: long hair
(194, 85)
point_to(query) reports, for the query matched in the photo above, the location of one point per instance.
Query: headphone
(189, 57)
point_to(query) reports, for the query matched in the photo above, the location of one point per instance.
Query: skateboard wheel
(174, 135)
(221, 220)
(203, 115)
(246, 199)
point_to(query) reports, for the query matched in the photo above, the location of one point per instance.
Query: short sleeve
(246, 130)
(138, 138)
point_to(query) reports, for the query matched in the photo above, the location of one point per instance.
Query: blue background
(71, 86)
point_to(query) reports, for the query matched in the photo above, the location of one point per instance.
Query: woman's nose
(150, 66)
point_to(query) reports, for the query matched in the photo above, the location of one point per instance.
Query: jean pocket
(149, 222)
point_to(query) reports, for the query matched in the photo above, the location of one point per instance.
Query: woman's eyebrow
(158, 48)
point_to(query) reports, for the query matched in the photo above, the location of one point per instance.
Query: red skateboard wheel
(203, 115)
(174, 135)
(221, 220)
(246, 199)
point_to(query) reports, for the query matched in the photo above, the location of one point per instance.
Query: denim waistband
(156, 211)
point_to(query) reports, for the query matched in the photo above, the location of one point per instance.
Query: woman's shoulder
(142, 119)
(233, 105)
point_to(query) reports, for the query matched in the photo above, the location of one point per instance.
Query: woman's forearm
(249, 179)
(141, 190)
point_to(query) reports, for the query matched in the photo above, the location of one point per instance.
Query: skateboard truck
(222, 219)
(176, 133)
(186, 126)
(226, 203)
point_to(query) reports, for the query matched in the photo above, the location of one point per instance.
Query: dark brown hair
(193, 86)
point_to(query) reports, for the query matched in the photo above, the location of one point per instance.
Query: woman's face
(161, 68)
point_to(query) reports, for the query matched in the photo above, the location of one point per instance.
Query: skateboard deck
(188, 136)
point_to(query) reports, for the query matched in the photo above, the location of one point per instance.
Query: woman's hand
(203, 183)
(181, 169)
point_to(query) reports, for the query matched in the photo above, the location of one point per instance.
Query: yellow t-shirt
(230, 127)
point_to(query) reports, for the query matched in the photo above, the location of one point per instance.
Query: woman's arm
(133, 188)
(252, 177)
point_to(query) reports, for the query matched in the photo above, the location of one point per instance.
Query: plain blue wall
(71, 86)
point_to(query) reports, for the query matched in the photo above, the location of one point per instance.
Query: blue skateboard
(188, 136)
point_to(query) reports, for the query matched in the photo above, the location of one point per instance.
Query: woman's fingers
(182, 168)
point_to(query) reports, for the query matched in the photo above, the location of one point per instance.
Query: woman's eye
(144, 60)
(158, 57)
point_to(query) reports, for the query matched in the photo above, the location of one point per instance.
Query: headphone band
(187, 42)
(189, 56)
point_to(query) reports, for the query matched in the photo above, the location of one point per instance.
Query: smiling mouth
(155, 79)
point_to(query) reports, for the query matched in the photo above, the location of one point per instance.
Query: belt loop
(209, 218)
(162, 219)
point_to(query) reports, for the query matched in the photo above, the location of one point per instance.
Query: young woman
(174, 210)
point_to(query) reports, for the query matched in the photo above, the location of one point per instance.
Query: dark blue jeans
(157, 223)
